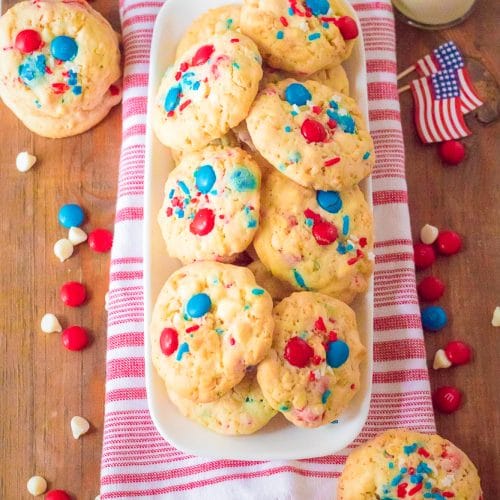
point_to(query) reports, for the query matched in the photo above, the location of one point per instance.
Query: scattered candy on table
(429, 234)
(448, 242)
(79, 426)
(75, 338)
(73, 293)
(495, 321)
(36, 485)
(57, 495)
(447, 399)
(440, 360)
(76, 235)
(71, 215)
(458, 352)
(430, 288)
(24, 161)
(434, 318)
(451, 152)
(50, 324)
(63, 249)
(424, 255)
(100, 240)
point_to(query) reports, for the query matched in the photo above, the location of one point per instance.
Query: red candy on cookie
(425, 255)
(298, 352)
(27, 41)
(448, 243)
(169, 341)
(73, 294)
(447, 399)
(347, 27)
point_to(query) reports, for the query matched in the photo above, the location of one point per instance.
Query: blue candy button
(198, 305)
(172, 98)
(329, 201)
(434, 318)
(64, 48)
(71, 215)
(318, 7)
(297, 94)
(337, 353)
(204, 178)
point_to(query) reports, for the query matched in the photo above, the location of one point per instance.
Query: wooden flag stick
(407, 71)
(403, 89)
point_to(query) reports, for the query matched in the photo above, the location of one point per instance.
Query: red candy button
(57, 495)
(448, 242)
(451, 152)
(298, 352)
(447, 399)
(114, 90)
(430, 288)
(459, 353)
(75, 338)
(28, 41)
(73, 294)
(347, 26)
(313, 131)
(324, 232)
(202, 55)
(100, 240)
(169, 341)
(203, 222)
(424, 255)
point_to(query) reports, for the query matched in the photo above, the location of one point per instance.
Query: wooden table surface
(45, 385)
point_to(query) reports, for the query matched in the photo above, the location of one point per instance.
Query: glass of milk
(434, 14)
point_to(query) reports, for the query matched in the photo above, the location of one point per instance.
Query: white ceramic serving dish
(279, 439)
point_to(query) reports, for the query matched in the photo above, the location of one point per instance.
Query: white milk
(434, 12)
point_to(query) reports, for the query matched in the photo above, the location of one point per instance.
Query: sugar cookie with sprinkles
(316, 240)
(59, 66)
(401, 463)
(311, 134)
(210, 323)
(212, 22)
(212, 205)
(299, 36)
(313, 369)
(334, 77)
(207, 91)
(242, 410)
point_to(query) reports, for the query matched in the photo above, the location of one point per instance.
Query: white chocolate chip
(495, 321)
(76, 235)
(79, 426)
(63, 249)
(429, 234)
(36, 485)
(24, 161)
(98, 497)
(441, 360)
(106, 301)
(50, 324)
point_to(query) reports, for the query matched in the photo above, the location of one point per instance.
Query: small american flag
(438, 114)
(448, 56)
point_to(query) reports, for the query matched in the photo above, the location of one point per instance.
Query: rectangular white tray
(279, 439)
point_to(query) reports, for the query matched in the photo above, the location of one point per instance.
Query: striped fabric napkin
(136, 461)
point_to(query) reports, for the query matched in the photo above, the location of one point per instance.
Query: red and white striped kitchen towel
(136, 461)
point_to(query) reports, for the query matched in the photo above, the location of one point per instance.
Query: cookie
(210, 323)
(401, 463)
(59, 63)
(276, 288)
(316, 240)
(207, 91)
(212, 204)
(313, 135)
(212, 22)
(334, 77)
(227, 140)
(242, 410)
(299, 36)
(312, 371)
